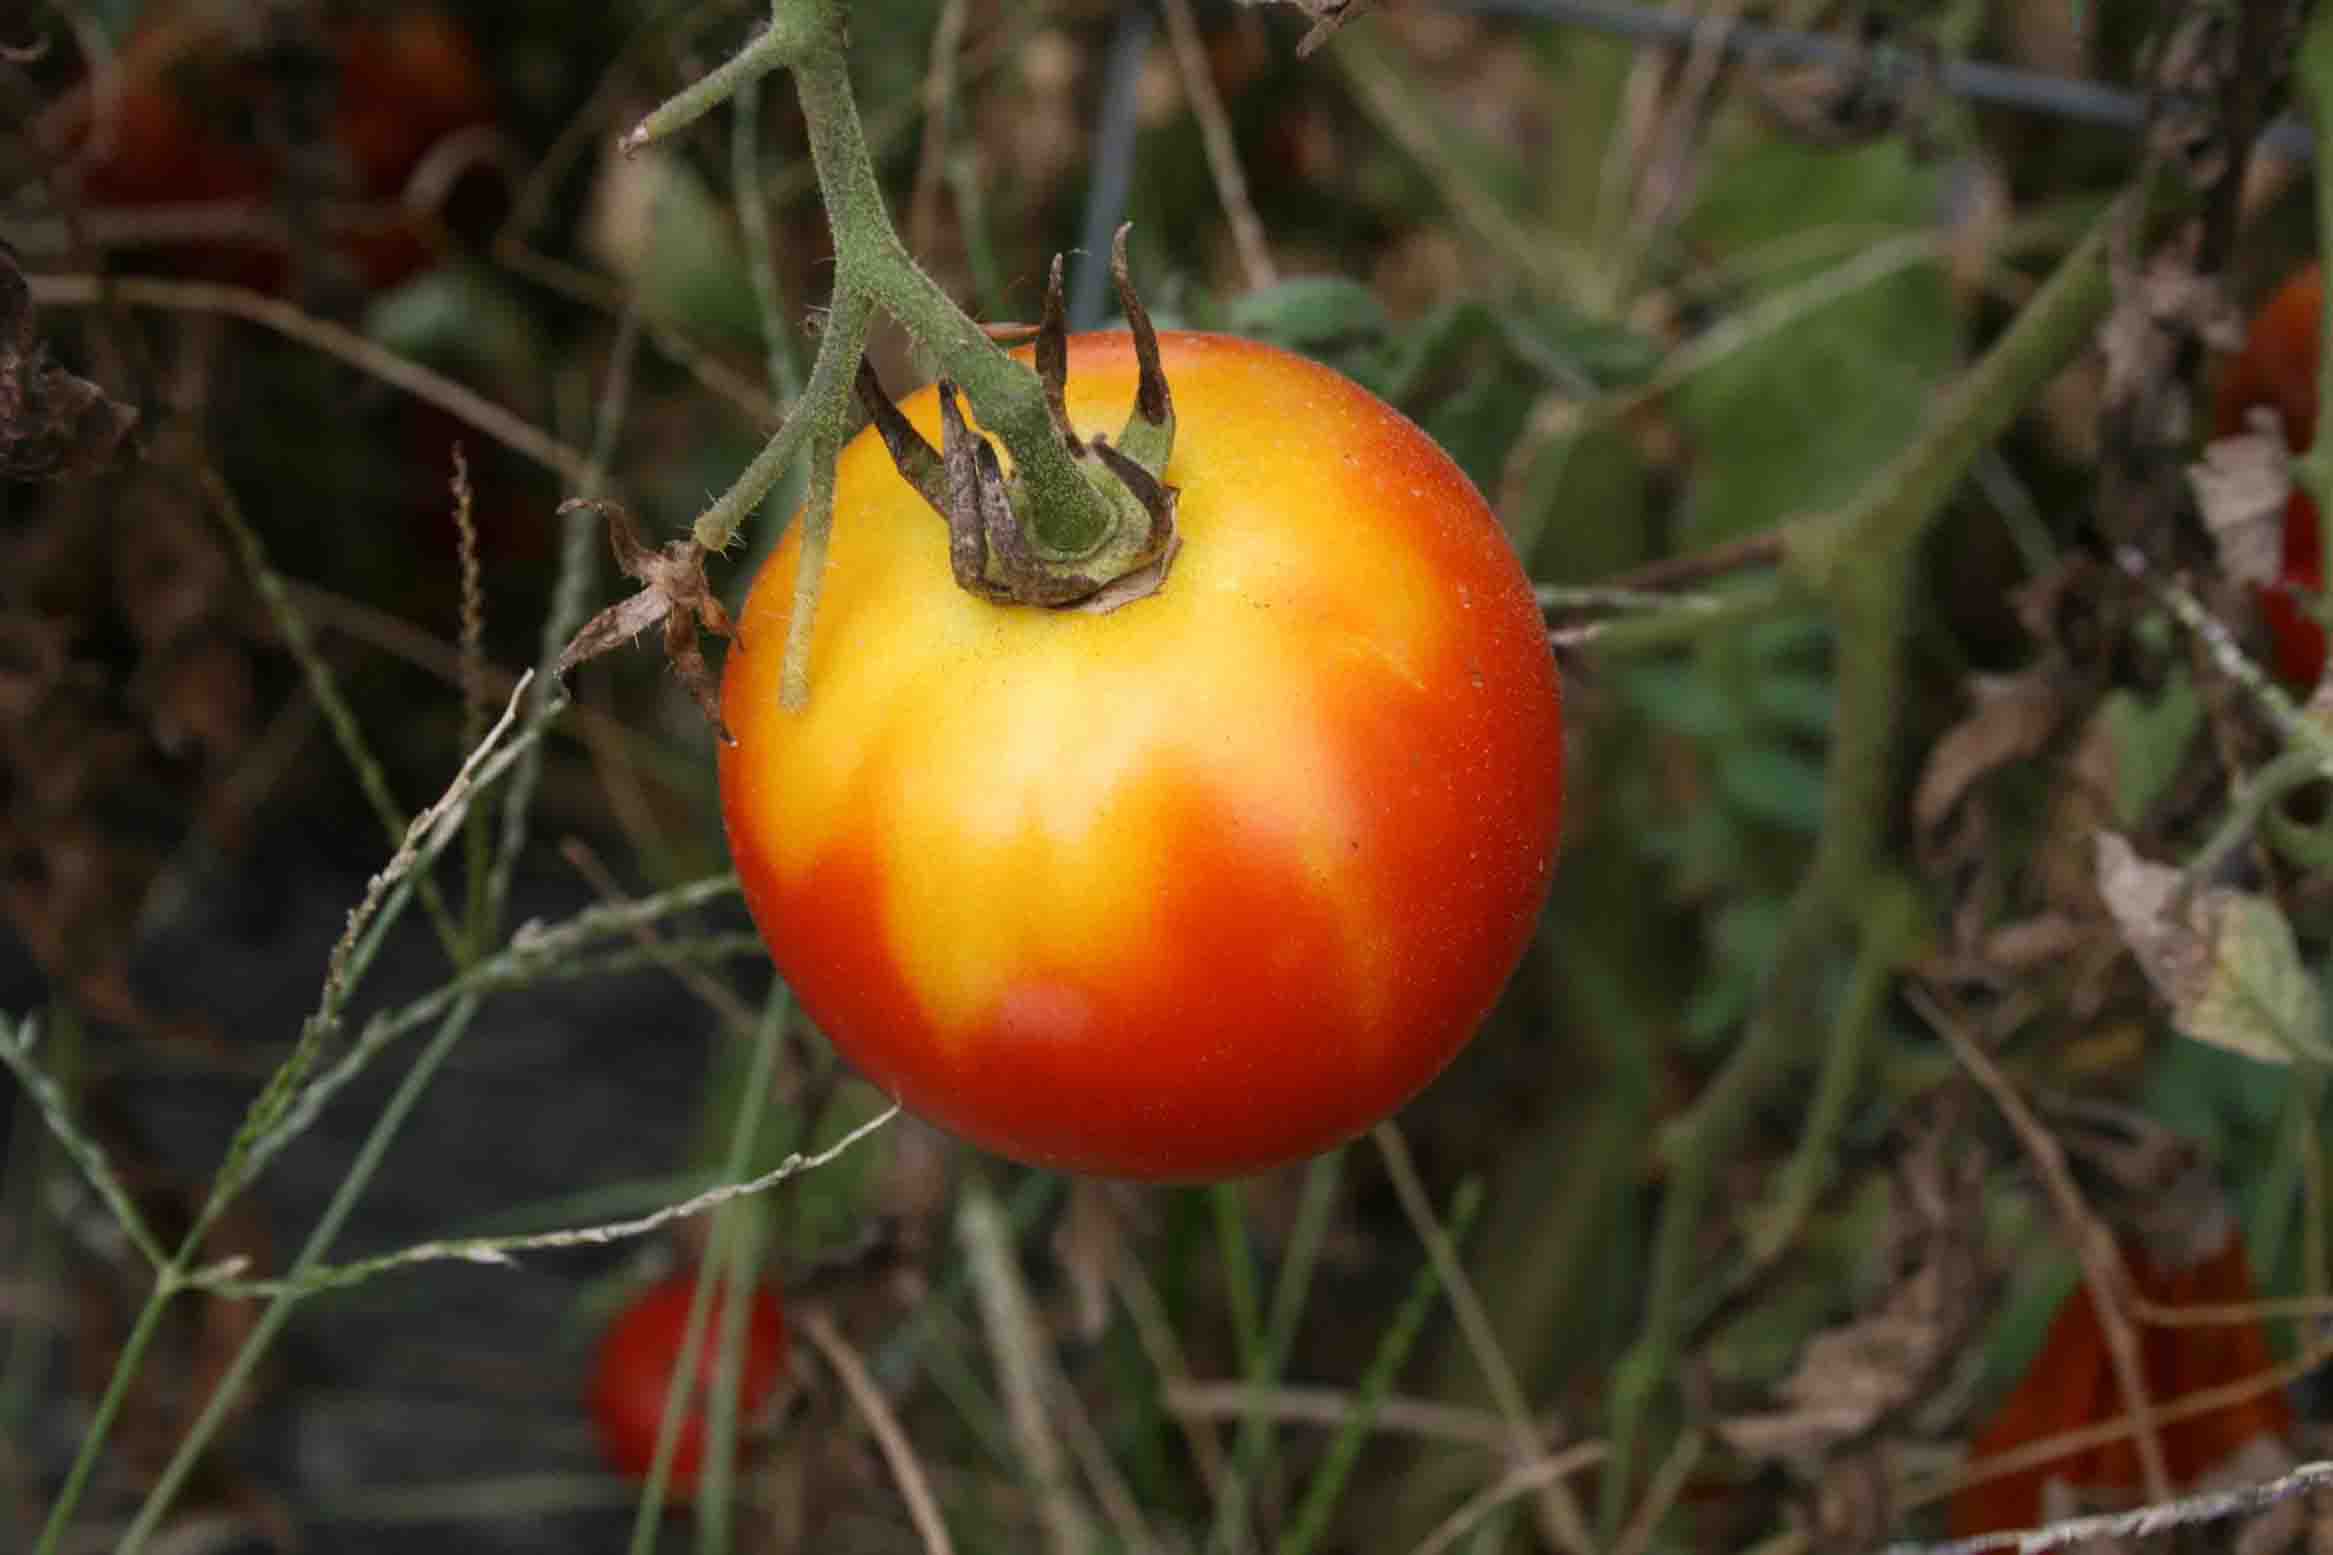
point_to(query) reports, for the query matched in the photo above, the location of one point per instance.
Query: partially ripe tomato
(2278, 368)
(639, 1356)
(1189, 889)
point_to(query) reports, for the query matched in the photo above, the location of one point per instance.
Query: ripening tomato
(1192, 888)
(637, 1360)
(2278, 368)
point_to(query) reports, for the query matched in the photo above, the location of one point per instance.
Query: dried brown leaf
(2241, 488)
(2224, 960)
(2012, 718)
(1852, 1379)
(2034, 942)
(53, 424)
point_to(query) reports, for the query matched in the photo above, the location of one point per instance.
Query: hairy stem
(1064, 514)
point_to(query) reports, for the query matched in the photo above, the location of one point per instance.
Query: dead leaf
(1850, 1380)
(2224, 960)
(53, 424)
(2034, 942)
(2012, 719)
(2241, 487)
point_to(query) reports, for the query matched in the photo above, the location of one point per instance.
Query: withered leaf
(1852, 1379)
(53, 423)
(2012, 719)
(1845, 1382)
(2224, 960)
(2240, 488)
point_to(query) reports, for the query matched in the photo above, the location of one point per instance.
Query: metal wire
(1888, 68)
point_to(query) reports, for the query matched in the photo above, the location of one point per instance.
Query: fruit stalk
(1064, 513)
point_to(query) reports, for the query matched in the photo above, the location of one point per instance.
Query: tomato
(2071, 1387)
(1189, 889)
(404, 81)
(2278, 368)
(637, 1359)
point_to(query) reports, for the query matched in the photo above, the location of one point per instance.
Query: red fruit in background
(639, 1355)
(2071, 1384)
(407, 82)
(2278, 368)
(190, 91)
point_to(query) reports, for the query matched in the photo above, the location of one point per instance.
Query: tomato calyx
(994, 552)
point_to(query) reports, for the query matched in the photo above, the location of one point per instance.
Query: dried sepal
(991, 555)
(917, 461)
(1053, 358)
(1026, 577)
(967, 532)
(1156, 496)
(674, 590)
(1149, 436)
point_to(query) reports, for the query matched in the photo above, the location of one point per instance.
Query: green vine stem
(1068, 510)
(1858, 558)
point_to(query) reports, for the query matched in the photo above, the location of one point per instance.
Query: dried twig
(1335, 1406)
(2102, 1267)
(1247, 233)
(498, 1249)
(465, 405)
(2065, 1444)
(1559, 1512)
(914, 1488)
(2120, 1529)
(1526, 1479)
(939, 122)
(1014, 1337)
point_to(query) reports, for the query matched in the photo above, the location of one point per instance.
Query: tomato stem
(1078, 525)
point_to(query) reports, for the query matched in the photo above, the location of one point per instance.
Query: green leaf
(1774, 784)
(1800, 704)
(459, 317)
(659, 226)
(1677, 697)
(2150, 743)
(1796, 419)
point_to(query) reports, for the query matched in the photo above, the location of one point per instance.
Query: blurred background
(325, 308)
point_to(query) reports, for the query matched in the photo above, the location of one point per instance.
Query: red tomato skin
(637, 1358)
(2278, 368)
(2072, 1385)
(1267, 986)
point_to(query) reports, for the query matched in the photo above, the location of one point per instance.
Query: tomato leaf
(2225, 961)
(1796, 418)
